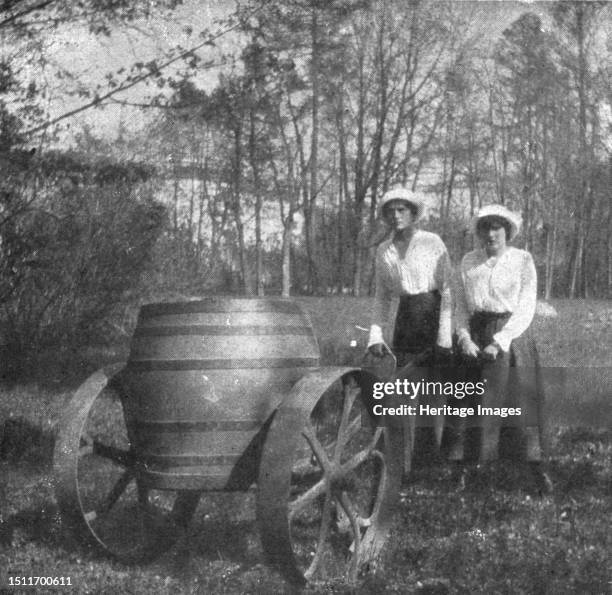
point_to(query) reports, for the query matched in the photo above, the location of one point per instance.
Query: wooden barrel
(202, 379)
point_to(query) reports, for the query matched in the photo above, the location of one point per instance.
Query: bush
(75, 238)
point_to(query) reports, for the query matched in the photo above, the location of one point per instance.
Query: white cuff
(502, 340)
(445, 340)
(463, 335)
(376, 335)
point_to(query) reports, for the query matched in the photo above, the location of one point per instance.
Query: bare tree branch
(98, 99)
(14, 17)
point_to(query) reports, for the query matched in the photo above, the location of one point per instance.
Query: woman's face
(492, 235)
(399, 215)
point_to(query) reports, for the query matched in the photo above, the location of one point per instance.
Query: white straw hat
(415, 199)
(513, 219)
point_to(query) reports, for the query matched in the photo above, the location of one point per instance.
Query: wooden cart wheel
(100, 495)
(328, 483)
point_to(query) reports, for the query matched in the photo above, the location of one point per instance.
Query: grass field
(493, 538)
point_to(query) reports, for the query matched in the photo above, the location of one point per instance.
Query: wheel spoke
(117, 455)
(115, 493)
(375, 439)
(86, 445)
(363, 455)
(349, 393)
(352, 429)
(184, 507)
(306, 498)
(317, 448)
(144, 513)
(143, 497)
(377, 434)
(323, 531)
(354, 519)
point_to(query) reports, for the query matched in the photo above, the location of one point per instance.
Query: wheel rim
(99, 489)
(342, 481)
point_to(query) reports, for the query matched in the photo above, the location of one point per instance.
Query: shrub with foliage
(75, 237)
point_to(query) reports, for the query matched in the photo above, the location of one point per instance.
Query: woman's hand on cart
(469, 348)
(490, 352)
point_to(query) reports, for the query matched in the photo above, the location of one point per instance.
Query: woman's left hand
(490, 352)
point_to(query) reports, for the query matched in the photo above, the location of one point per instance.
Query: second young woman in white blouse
(495, 305)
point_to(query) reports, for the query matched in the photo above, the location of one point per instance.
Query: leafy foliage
(74, 240)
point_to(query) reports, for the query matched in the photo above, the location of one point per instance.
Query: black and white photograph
(306, 296)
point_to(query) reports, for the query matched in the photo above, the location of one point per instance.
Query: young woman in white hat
(414, 265)
(495, 304)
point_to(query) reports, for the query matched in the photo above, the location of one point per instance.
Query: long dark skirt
(513, 380)
(414, 339)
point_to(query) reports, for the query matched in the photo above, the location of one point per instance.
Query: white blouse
(425, 267)
(507, 283)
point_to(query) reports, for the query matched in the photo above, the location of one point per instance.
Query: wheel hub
(341, 481)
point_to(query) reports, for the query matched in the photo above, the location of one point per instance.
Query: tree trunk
(201, 202)
(575, 261)
(609, 276)
(259, 270)
(551, 251)
(449, 195)
(581, 207)
(609, 255)
(286, 261)
(175, 223)
(237, 211)
(310, 199)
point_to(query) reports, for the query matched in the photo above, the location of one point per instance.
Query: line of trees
(334, 102)
(268, 182)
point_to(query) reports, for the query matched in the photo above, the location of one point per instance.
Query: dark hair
(486, 221)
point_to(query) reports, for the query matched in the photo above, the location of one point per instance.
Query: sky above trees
(91, 57)
(77, 60)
